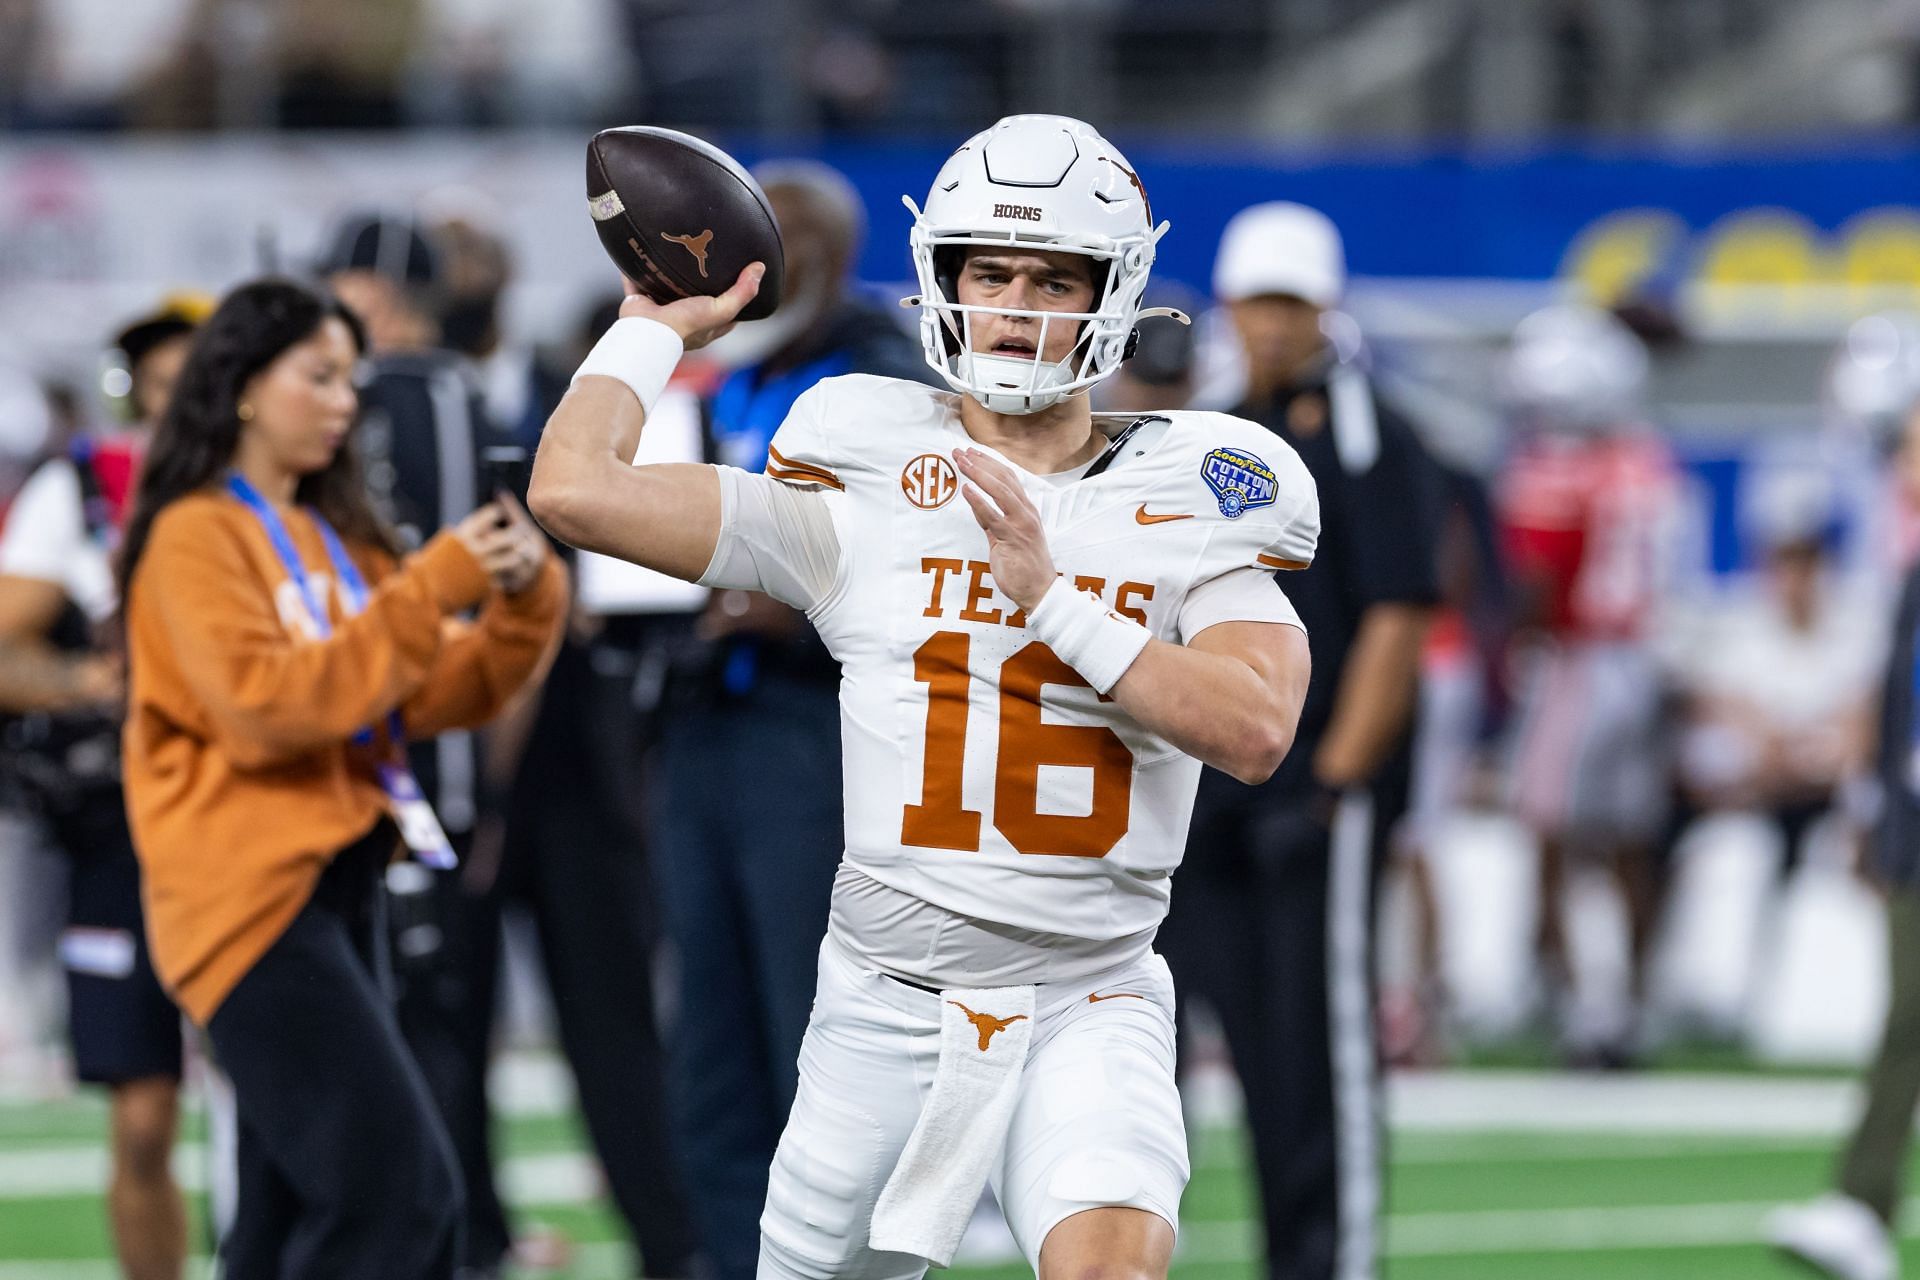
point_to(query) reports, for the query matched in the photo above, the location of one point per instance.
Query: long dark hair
(195, 442)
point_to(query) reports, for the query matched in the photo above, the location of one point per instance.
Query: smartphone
(505, 468)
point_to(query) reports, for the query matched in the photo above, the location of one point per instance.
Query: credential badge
(1239, 480)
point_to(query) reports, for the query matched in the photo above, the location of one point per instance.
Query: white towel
(924, 1208)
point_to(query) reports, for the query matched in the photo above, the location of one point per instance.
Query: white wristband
(1098, 644)
(637, 351)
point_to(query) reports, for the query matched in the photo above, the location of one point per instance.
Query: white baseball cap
(1281, 247)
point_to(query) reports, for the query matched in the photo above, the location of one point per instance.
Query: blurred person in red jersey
(61, 692)
(1587, 503)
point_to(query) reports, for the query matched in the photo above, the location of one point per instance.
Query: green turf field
(1463, 1204)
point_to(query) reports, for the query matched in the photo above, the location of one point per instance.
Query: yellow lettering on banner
(1763, 247)
(1612, 257)
(1880, 256)
(1754, 261)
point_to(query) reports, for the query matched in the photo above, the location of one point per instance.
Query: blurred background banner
(88, 222)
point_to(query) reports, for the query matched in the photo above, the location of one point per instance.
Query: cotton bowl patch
(1239, 480)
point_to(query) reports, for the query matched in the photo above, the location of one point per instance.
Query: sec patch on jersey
(1240, 481)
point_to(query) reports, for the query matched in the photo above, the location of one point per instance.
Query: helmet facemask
(1033, 183)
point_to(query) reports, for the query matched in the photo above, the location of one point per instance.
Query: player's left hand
(1016, 540)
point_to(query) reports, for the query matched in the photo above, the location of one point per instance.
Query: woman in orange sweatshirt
(280, 651)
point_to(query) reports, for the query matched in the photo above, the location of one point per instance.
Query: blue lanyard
(353, 587)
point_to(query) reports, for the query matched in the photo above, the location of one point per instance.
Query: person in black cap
(423, 434)
(151, 351)
(566, 851)
(387, 270)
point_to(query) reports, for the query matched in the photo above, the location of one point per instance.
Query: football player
(1047, 621)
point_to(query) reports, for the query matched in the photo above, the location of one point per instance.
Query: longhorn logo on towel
(986, 1024)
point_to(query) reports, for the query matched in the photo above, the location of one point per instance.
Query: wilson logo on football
(929, 482)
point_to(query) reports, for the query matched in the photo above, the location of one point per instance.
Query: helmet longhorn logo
(1138, 185)
(986, 1024)
(695, 245)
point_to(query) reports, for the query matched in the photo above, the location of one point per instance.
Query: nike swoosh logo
(1095, 998)
(1143, 517)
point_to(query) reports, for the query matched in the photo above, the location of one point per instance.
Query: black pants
(574, 860)
(747, 835)
(344, 1167)
(446, 948)
(1270, 927)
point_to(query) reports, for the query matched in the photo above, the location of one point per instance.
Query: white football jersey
(982, 774)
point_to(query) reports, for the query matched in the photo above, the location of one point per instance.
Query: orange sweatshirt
(241, 779)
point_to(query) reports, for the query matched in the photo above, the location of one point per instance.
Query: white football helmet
(1873, 380)
(1046, 182)
(1574, 369)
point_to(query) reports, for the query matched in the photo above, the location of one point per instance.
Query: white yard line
(62, 1172)
(1427, 1235)
(1530, 1148)
(72, 1269)
(1534, 1102)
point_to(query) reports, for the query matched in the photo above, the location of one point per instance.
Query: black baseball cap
(177, 314)
(394, 246)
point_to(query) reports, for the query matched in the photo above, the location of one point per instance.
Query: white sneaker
(1838, 1235)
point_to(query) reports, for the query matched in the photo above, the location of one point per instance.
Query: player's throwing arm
(698, 248)
(665, 516)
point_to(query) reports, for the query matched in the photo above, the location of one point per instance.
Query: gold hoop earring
(244, 413)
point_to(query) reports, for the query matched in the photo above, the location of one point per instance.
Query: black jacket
(1381, 509)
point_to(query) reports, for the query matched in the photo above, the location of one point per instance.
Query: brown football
(680, 216)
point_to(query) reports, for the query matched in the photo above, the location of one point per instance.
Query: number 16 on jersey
(1025, 743)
